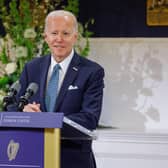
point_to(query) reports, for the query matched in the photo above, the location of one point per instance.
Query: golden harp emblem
(12, 150)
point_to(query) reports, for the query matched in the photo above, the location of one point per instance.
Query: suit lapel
(43, 78)
(69, 78)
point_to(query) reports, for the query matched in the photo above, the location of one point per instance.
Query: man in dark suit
(80, 85)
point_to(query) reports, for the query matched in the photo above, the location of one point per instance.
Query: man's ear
(76, 36)
(44, 36)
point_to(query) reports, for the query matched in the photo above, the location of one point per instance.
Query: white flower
(10, 68)
(9, 48)
(6, 25)
(2, 94)
(30, 33)
(12, 54)
(40, 47)
(2, 43)
(2, 69)
(21, 52)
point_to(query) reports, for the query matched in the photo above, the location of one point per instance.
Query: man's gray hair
(62, 13)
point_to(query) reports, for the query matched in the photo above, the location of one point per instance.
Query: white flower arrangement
(21, 51)
(30, 33)
(10, 68)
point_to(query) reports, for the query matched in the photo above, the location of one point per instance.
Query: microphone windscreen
(33, 87)
(16, 87)
(30, 91)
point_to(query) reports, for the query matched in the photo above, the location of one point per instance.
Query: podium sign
(20, 148)
(28, 140)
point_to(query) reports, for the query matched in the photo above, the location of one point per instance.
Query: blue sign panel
(21, 148)
(31, 120)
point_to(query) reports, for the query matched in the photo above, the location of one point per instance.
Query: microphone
(10, 98)
(30, 91)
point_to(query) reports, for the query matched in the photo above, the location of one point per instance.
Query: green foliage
(73, 6)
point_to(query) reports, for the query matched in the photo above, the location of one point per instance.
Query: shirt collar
(64, 64)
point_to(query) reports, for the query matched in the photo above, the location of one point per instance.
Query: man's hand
(34, 107)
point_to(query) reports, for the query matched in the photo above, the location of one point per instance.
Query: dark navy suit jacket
(81, 104)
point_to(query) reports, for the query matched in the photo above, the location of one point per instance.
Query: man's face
(60, 36)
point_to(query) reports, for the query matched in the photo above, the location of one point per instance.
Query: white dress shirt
(64, 66)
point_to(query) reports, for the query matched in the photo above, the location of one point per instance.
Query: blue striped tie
(52, 89)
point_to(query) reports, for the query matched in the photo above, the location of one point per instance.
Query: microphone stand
(7, 100)
(22, 102)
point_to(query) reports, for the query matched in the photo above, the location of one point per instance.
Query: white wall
(136, 82)
(123, 149)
